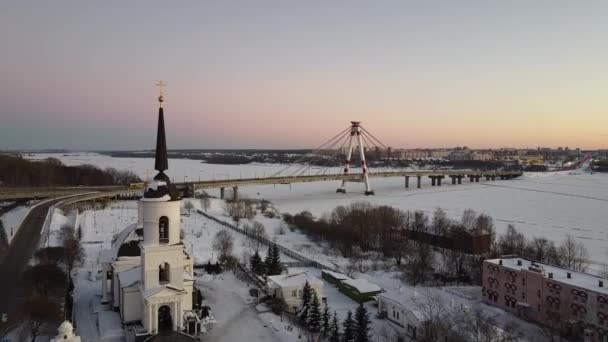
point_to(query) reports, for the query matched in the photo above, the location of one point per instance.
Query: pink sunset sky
(290, 74)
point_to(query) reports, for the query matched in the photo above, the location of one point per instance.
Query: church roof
(129, 277)
(161, 189)
(159, 289)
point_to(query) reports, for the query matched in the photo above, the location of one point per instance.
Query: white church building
(153, 291)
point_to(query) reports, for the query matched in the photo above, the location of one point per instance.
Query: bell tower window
(164, 275)
(163, 230)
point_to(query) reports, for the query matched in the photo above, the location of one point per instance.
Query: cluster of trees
(321, 325)
(47, 283)
(380, 228)
(270, 266)
(16, 171)
(360, 229)
(241, 209)
(570, 253)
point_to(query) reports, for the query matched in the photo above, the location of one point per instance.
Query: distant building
(574, 303)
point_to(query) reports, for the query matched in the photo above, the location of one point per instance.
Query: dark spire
(161, 163)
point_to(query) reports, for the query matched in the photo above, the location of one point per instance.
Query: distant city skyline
(276, 74)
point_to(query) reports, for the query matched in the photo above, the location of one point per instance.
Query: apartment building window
(523, 296)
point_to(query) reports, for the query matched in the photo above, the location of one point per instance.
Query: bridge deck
(8, 194)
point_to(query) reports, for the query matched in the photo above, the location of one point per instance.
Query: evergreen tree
(362, 323)
(314, 313)
(305, 305)
(268, 261)
(326, 321)
(273, 261)
(256, 264)
(334, 329)
(348, 334)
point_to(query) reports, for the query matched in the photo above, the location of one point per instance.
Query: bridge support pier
(433, 178)
(419, 181)
(222, 193)
(407, 182)
(477, 178)
(235, 193)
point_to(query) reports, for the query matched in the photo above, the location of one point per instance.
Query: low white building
(289, 288)
(400, 308)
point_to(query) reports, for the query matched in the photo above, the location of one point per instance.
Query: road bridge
(436, 176)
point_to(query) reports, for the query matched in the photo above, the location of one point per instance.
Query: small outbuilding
(289, 288)
(359, 290)
(334, 278)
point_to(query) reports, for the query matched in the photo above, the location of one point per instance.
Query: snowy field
(551, 204)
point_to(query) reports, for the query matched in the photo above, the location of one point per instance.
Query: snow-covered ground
(12, 220)
(551, 204)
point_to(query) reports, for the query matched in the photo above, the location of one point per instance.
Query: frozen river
(548, 204)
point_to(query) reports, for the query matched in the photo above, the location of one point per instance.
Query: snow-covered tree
(314, 313)
(326, 325)
(273, 261)
(348, 333)
(305, 304)
(256, 264)
(362, 323)
(334, 329)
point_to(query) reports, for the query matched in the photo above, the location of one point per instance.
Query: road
(19, 253)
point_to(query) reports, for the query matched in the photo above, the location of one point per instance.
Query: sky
(290, 74)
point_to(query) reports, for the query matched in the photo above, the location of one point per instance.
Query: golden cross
(160, 85)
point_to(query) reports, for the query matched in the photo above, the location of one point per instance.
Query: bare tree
(420, 263)
(512, 242)
(256, 232)
(223, 242)
(574, 254)
(39, 314)
(440, 223)
(189, 206)
(437, 318)
(74, 254)
(469, 216)
(44, 280)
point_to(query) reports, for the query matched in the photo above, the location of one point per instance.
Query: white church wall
(153, 257)
(131, 308)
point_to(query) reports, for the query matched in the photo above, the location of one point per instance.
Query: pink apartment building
(574, 303)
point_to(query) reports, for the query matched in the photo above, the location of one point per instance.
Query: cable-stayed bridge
(350, 144)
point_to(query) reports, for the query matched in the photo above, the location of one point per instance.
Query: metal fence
(302, 261)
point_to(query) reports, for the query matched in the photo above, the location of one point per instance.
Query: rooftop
(362, 285)
(578, 279)
(297, 279)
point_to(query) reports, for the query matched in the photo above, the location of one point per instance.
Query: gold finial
(160, 85)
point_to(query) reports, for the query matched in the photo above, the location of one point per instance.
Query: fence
(302, 260)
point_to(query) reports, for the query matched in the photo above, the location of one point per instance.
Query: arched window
(164, 275)
(163, 230)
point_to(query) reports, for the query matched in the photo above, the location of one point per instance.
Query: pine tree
(256, 264)
(273, 261)
(348, 335)
(326, 322)
(314, 313)
(334, 329)
(305, 305)
(362, 323)
(268, 261)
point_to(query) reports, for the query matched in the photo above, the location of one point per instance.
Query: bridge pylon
(355, 138)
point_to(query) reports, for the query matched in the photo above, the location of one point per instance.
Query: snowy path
(237, 320)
